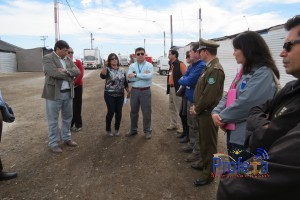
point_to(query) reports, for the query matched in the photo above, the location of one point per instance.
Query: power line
(197, 3)
(73, 14)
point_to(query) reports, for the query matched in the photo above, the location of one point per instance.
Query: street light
(164, 38)
(92, 40)
(246, 21)
(144, 40)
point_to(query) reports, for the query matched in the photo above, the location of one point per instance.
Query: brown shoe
(186, 149)
(71, 143)
(192, 158)
(56, 149)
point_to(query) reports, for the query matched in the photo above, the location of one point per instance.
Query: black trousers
(1, 167)
(114, 105)
(77, 106)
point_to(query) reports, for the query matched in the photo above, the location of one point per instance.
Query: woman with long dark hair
(254, 84)
(115, 83)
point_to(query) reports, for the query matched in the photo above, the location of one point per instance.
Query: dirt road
(101, 167)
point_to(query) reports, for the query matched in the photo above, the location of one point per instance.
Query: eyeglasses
(140, 54)
(70, 52)
(288, 45)
(113, 59)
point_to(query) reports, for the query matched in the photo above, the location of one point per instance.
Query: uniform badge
(211, 80)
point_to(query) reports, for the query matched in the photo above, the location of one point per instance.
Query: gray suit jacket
(54, 77)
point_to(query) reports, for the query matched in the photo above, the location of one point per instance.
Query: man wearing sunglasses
(275, 127)
(140, 75)
(77, 100)
(58, 92)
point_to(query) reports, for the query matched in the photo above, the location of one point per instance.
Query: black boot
(186, 138)
(183, 134)
(7, 175)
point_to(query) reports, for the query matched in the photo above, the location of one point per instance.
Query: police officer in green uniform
(207, 94)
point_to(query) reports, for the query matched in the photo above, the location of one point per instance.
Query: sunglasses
(113, 59)
(140, 54)
(287, 46)
(70, 52)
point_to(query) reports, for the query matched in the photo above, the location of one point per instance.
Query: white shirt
(65, 85)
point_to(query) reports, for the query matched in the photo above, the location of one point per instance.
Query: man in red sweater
(77, 101)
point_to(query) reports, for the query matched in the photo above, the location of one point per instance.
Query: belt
(66, 90)
(141, 89)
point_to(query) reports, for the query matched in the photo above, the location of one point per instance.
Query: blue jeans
(236, 150)
(63, 104)
(114, 105)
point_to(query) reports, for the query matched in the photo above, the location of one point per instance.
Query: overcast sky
(120, 26)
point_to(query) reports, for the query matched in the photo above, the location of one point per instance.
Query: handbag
(6, 111)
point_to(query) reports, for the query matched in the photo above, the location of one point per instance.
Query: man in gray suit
(60, 72)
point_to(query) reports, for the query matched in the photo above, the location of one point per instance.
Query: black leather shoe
(201, 182)
(129, 134)
(181, 135)
(197, 166)
(185, 139)
(7, 175)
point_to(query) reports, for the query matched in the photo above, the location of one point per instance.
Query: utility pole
(92, 40)
(165, 44)
(200, 19)
(144, 43)
(56, 20)
(44, 37)
(171, 30)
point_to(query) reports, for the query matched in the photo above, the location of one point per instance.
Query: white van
(163, 65)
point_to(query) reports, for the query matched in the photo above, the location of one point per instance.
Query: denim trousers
(114, 105)
(236, 150)
(53, 108)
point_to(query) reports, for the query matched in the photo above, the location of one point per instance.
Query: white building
(274, 37)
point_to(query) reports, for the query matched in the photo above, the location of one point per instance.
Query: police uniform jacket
(54, 78)
(209, 88)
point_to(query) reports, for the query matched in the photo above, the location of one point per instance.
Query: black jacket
(176, 75)
(284, 171)
(281, 140)
(281, 114)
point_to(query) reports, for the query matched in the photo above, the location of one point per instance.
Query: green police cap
(204, 44)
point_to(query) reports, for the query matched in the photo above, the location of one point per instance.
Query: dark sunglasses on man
(70, 52)
(140, 54)
(287, 46)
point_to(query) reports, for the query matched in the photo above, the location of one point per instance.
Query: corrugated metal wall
(274, 37)
(30, 60)
(8, 62)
